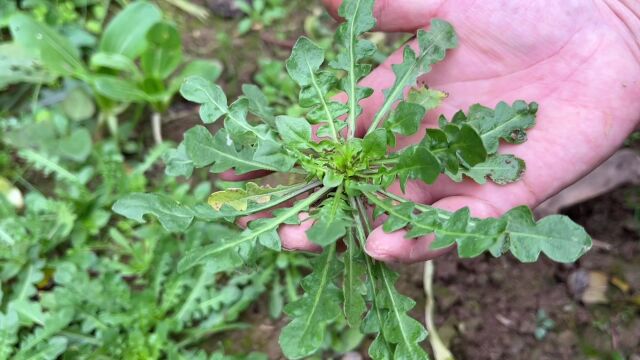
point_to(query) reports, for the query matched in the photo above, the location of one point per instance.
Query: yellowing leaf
(239, 198)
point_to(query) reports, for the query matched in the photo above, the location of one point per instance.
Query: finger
(294, 237)
(231, 175)
(394, 15)
(394, 247)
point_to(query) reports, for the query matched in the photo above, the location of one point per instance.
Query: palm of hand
(574, 60)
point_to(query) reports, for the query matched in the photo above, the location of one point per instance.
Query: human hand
(579, 60)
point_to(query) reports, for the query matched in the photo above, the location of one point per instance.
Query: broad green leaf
(417, 162)
(114, 61)
(172, 215)
(164, 51)
(53, 50)
(119, 89)
(209, 70)
(331, 222)
(401, 216)
(306, 58)
(211, 97)
(466, 144)
(294, 131)
(405, 119)
(374, 145)
(177, 162)
(126, 32)
(258, 103)
(239, 128)
(273, 153)
(319, 306)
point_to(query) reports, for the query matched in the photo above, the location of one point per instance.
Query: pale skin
(579, 59)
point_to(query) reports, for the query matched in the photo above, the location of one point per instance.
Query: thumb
(394, 247)
(396, 15)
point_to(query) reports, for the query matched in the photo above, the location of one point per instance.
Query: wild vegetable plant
(345, 176)
(77, 283)
(138, 59)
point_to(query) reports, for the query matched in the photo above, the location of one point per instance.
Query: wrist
(624, 15)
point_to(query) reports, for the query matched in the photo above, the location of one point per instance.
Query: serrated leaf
(228, 249)
(397, 326)
(556, 236)
(172, 215)
(311, 314)
(433, 45)
(352, 285)
(505, 122)
(206, 149)
(358, 15)
(331, 222)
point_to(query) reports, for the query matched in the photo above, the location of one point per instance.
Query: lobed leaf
(352, 284)
(172, 215)
(432, 47)
(311, 314)
(358, 15)
(219, 151)
(556, 236)
(331, 221)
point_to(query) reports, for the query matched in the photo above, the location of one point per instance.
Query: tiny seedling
(345, 176)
